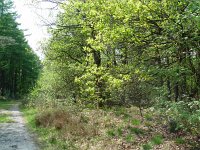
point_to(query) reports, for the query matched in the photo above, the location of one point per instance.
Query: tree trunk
(176, 91)
(97, 58)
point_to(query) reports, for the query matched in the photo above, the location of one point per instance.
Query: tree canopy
(98, 48)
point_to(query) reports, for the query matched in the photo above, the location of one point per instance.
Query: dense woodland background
(19, 66)
(101, 53)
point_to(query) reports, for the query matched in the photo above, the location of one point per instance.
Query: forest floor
(74, 128)
(13, 132)
(69, 128)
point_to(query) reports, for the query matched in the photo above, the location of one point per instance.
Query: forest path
(14, 135)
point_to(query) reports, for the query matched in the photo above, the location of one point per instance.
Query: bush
(69, 123)
(182, 115)
(54, 118)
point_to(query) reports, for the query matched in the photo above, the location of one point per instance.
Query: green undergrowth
(85, 128)
(156, 140)
(180, 140)
(6, 104)
(48, 137)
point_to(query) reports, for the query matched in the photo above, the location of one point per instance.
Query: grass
(157, 140)
(136, 122)
(4, 118)
(147, 146)
(136, 131)
(44, 134)
(119, 131)
(75, 132)
(111, 133)
(47, 136)
(148, 117)
(6, 104)
(129, 138)
(29, 115)
(57, 129)
(180, 140)
(68, 130)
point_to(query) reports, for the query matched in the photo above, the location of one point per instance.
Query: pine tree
(19, 66)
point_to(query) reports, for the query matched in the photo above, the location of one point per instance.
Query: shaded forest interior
(19, 65)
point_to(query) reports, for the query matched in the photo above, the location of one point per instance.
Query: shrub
(55, 118)
(182, 115)
(69, 123)
(173, 126)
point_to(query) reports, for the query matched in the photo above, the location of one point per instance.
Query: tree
(19, 66)
(106, 44)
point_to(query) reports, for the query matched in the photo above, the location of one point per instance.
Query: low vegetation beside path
(4, 114)
(6, 104)
(72, 127)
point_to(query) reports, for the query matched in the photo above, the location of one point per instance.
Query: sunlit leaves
(110, 43)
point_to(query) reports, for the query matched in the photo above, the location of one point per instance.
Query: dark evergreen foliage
(19, 66)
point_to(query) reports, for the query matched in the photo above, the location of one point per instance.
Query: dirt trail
(15, 136)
